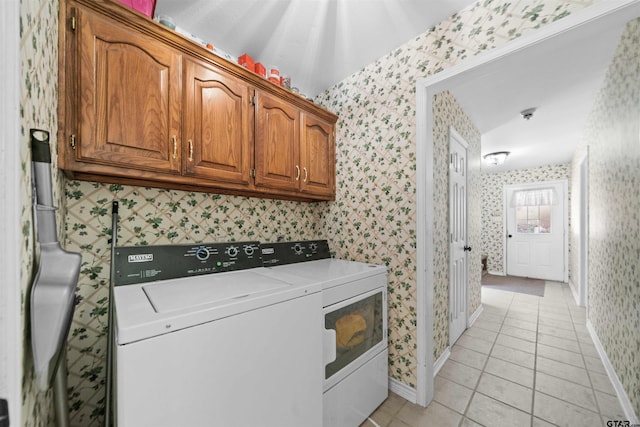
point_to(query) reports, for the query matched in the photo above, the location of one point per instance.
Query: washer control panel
(138, 264)
(282, 253)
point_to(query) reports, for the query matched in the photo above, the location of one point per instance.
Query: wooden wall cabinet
(129, 99)
(294, 149)
(218, 125)
(141, 105)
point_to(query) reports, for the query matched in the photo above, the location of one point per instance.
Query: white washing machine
(206, 336)
(354, 301)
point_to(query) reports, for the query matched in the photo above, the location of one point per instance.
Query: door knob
(467, 248)
(509, 236)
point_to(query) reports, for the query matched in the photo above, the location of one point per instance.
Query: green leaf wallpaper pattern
(613, 138)
(373, 218)
(149, 216)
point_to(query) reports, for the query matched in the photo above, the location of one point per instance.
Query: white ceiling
(318, 43)
(559, 77)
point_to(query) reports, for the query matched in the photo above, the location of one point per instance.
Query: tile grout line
(593, 390)
(474, 391)
(535, 362)
(482, 371)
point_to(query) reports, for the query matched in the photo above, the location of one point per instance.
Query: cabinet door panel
(218, 125)
(129, 98)
(317, 156)
(277, 144)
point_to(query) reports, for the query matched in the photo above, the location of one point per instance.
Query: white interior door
(458, 269)
(536, 230)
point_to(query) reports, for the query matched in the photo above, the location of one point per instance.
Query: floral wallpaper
(376, 107)
(149, 216)
(38, 109)
(448, 113)
(372, 219)
(613, 138)
(492, 206)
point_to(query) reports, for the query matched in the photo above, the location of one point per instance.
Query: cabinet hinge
(72, 142)
(73, 23)
(252, 173)
(253, 100)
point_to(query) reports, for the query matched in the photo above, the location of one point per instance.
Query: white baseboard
(623, 398)
(574, 292)
(403, 390)
(497, 273)
(409, 393)
(472, 319)
(441, 360)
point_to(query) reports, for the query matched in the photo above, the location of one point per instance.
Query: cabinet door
(277, 143)
(218, 125)
(317, 154)
(128, 98)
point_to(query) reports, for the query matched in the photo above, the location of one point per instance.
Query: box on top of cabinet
(146, 7)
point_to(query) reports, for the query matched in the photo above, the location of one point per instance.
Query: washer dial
(202, 253)
(232, 251)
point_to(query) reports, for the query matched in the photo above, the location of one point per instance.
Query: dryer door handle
(328, 346)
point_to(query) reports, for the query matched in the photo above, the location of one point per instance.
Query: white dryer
(241, 347)
(355, 349)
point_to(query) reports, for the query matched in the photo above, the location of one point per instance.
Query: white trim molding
(623, 398)
(441, 361)
(574, 292)
(402, 390)
(474, 316)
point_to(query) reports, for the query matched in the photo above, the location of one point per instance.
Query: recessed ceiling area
(559, 78)
(317, 43)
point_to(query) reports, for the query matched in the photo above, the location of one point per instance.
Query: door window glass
(533, 211)
(358, 328)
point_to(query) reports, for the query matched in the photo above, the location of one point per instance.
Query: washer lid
(168, 295)
(156, 308)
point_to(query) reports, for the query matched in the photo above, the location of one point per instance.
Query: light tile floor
(526, 361)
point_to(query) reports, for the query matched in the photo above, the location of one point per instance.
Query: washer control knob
(232, 251)
(202, 253)
(297, 248)
(313, 247)
(249, 250)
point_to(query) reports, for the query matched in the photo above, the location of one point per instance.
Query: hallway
(526, 361)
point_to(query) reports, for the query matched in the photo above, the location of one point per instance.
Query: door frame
(11, 347)
(565, 220)
(426, 88)
(455, 135)
(583, 233)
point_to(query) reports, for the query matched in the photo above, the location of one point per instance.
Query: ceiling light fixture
(528, 113)
(497, 158)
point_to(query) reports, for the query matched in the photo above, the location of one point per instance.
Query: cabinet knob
(175, 146)
(305, 175)
(297, 172)
(190, 150)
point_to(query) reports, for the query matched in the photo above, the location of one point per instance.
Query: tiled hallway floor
(526, 361)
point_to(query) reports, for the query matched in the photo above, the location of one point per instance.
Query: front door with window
(536, 220)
